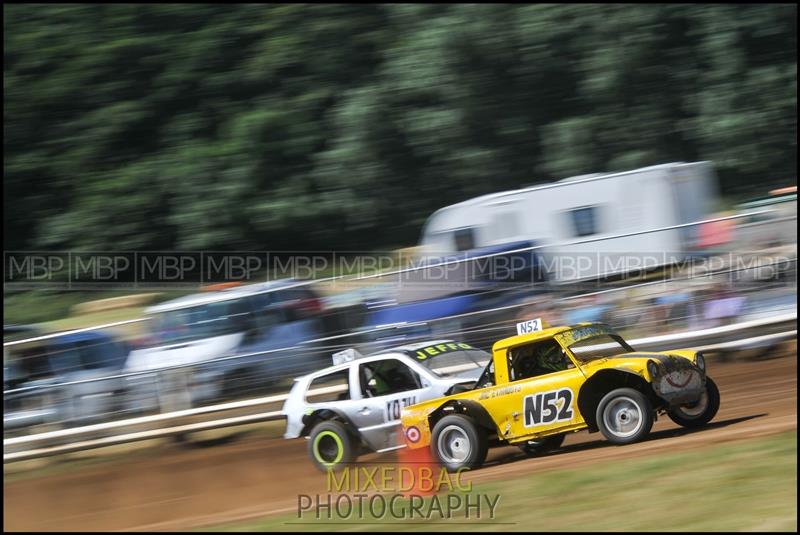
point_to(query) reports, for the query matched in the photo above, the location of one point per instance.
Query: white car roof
(396, 352)
(345, 365)
(419, 345)
(190, 301)
(216, 296)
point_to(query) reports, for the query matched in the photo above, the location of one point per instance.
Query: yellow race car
(543, 384)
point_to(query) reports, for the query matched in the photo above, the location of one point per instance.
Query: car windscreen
(102, 354)
(600, 346)
(31, 362)
(486, 378)
(198, 322)
(451, 358)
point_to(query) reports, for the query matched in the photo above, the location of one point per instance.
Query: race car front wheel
(699, 413)
(542, 445)
(624, 416)
(458, 442)
(331, 446)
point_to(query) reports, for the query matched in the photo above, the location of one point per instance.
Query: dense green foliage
(344, 126)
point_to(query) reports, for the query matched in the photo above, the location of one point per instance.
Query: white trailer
(589, 209)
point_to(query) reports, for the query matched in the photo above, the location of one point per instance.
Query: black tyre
(458, 442)
(700, 413)
(624, 416)
(542, 445)
(331, 446)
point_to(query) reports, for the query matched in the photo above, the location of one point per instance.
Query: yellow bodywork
(505, 401)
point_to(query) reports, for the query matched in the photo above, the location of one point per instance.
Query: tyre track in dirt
(181, 488)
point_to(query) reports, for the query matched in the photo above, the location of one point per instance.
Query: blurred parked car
(58, 380)
(193, 339)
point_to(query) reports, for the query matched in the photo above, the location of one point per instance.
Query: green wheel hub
(328, 448)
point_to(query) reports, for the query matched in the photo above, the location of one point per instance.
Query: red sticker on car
(412, 434)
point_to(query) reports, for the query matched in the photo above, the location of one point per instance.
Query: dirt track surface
(184, 488)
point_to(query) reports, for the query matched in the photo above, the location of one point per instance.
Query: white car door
(385, 387)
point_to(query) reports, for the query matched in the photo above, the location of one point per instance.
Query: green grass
(90, 320)
(744, 486)
(52, 309)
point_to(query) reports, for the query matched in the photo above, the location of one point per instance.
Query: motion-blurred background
(363, 140)
(343, 127)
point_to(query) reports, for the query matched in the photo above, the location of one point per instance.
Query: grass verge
(744, 486)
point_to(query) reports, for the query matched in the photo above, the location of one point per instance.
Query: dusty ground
(183, 488)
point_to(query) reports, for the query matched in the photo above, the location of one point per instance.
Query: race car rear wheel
(699, 413)
(624, 416)
(458, 442)
(542, 445)
(330, 446)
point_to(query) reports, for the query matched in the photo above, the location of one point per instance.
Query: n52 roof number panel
(529, 326)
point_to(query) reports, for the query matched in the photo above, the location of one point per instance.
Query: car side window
(35, 363)
(96, 354)
(384, 377)
(329, 387)
(464, 239)
(65, 358)
(539, 358)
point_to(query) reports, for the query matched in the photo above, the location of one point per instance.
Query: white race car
(353, 407)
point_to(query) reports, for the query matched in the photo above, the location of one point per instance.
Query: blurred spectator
(723, 307)
(716, 233)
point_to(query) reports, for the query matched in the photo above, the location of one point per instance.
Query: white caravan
(574, 219)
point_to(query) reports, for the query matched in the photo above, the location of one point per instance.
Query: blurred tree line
(325, 126)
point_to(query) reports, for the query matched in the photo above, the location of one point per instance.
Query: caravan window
(584, 221)
(464, 239)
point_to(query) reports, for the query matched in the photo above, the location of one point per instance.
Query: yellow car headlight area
(652, 369)
(700, 361)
